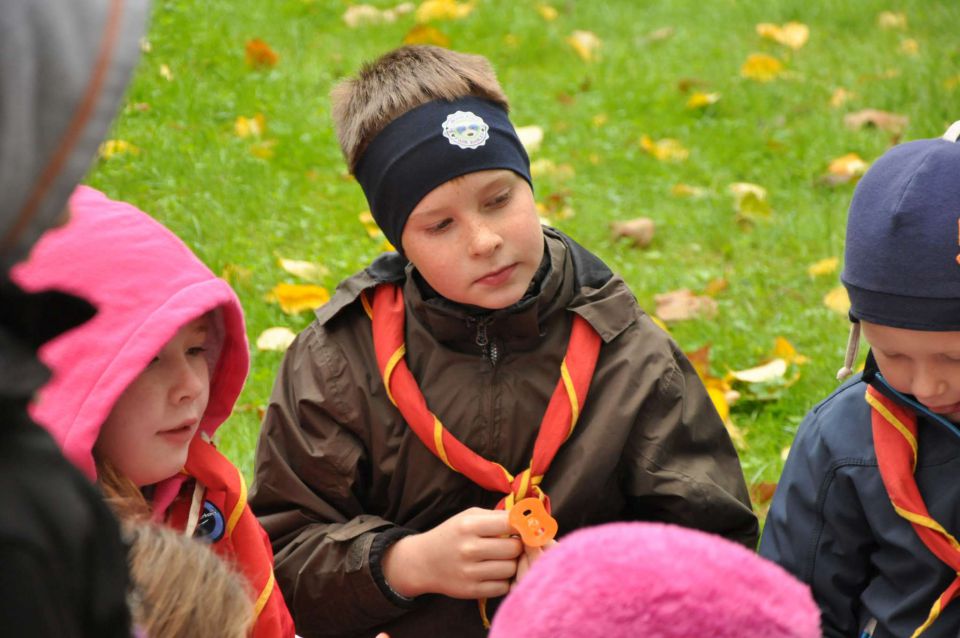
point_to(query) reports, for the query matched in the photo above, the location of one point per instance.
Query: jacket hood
(63, 67)
(146, 284)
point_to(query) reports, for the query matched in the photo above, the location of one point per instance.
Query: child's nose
(484, 240)
(927, 384)
(189, 383)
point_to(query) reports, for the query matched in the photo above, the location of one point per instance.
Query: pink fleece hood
(146, 284)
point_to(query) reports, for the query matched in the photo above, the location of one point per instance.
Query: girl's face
(148, 432)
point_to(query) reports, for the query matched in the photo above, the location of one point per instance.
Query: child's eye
(440, 227)
(501, 199)
(196, 350)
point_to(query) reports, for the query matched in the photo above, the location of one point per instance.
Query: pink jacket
(146, 283)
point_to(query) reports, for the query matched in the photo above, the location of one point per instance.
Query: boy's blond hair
(402, 80)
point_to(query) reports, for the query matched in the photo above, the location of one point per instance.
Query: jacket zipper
(487, 347)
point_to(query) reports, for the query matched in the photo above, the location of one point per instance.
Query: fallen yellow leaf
(750, 200)
(892, 20)
(425, 34)
(784, 453)
(250, 126)
(761, 67)
(791, 34)
(259, 55)
(545, 167)
(296, 298)
(531, 137)
(234, 274)
(765, 373)
(166, 73)
(850, 165)
(657, 320)
(700, 100)
(599, 119)
(719, 399)
(686, 190)
(547, 12)
(430, 10)
(364, 14)
(840, 97)
(909, 46)
(783, 349)
(275, 339)
(263, 150)
(370, 225)
(826, 266)
(307, 270)
(665, 150)
(715, 286)
(680, 305)
(837, 300)
(112, 148)
(586, 44)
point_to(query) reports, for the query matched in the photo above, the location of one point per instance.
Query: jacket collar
(872, 376)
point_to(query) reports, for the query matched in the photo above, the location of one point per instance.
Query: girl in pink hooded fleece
(652, 580)
(139, 390)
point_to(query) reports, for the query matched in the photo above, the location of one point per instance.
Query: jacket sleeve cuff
(381, 543)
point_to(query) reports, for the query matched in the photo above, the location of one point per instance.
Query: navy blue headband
(430, 145)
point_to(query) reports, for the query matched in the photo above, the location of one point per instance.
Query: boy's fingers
(494, 570)
(496, 549)
(489, 523)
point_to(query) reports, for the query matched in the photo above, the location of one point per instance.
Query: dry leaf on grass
(750, 200)
(639, 231)
(680, 305)
(306, 270)
(259, 55)
(586, 44)
(892, 20)
(665, 150)
(430, 10)
(909, 46)
(837, 300)
(547, 12)
(770, 371)
(250, 126)
(112, 148)
(883, 120)
(700, 100)
(531, 137)
(686, 190)
(826, 266)
(783, 349)
(845, 169)
(761, 67)
(275, 339)
(296, 298)
(425, 34)
(364, 14)
(841, 96)
(791, 34)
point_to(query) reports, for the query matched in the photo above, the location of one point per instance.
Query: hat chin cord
(853, 348)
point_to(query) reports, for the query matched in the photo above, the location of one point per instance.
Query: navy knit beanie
(902, 260)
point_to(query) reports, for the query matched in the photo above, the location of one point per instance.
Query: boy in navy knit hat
(490, 361)
(868, 508)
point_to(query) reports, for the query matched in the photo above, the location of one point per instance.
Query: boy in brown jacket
(411, 415)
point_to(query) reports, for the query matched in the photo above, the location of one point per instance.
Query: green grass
(194, 174)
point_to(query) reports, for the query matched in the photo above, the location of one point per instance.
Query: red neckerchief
(895, 441)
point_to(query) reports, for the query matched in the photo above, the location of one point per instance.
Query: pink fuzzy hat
(656, 581)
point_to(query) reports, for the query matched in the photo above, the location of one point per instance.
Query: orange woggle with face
(535, 526)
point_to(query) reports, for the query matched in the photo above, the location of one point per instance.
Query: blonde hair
(182, 589)
(402, 80)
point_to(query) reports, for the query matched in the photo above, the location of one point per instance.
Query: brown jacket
(339, 475)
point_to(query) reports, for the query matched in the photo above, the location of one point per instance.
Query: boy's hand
(466, 556)
(530, 556)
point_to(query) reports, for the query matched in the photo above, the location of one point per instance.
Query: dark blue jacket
(832, 525)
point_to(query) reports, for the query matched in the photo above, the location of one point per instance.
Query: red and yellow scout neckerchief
(895, 440)
(242, 541)
(576, 371)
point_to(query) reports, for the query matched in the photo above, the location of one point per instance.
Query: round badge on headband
(430, 145)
